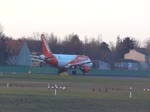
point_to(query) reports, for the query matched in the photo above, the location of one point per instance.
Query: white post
(130, 92)
(56, 87)
(7, 84)
(55, 91)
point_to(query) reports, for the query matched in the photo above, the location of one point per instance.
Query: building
(140, 56)
(102, 65)
(18, 53)
(127, 64)
(35, 49)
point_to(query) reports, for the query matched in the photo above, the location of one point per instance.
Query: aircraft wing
(76, 64)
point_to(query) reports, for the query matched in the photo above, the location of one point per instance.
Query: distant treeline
(71, 44)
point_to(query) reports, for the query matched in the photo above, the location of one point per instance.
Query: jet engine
(85, 69)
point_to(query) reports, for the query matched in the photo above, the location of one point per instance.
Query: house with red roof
(18, 53)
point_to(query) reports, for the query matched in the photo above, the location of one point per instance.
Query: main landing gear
(73, 71)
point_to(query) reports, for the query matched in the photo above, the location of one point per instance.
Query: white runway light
(48, 86)
(63, 88)
(147, 89)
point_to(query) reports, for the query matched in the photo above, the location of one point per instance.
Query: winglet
(45, 48)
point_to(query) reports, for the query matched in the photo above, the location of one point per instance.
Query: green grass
(29, 93)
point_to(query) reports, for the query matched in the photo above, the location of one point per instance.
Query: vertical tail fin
(45, 48)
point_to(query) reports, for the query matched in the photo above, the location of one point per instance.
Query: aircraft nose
(91, 64)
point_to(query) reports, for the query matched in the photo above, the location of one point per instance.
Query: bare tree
(147, 45)
(3, 51)
(72, 44)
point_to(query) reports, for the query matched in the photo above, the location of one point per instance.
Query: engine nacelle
(42, 57)
(85, 69)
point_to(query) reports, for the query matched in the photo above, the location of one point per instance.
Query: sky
(105, 19)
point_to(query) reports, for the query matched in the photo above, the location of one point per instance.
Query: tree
(3, 51)
(104, 51)
(72, 45)
(128, 43)
(53, 43)
(124, 46)
(119, 48)
(91, 49)
(147, 46)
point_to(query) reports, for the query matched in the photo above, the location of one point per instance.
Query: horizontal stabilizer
(34, 56)
(38, 60)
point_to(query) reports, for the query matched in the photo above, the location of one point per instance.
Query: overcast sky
(106, 18)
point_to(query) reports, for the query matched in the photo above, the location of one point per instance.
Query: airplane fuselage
(67, 60)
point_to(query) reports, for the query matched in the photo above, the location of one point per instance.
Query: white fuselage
(64, 59)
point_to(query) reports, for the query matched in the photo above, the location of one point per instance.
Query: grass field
(29, 93)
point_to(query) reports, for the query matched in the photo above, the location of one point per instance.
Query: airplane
(63, 61)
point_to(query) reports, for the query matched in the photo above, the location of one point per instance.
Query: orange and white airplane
(63, 61)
